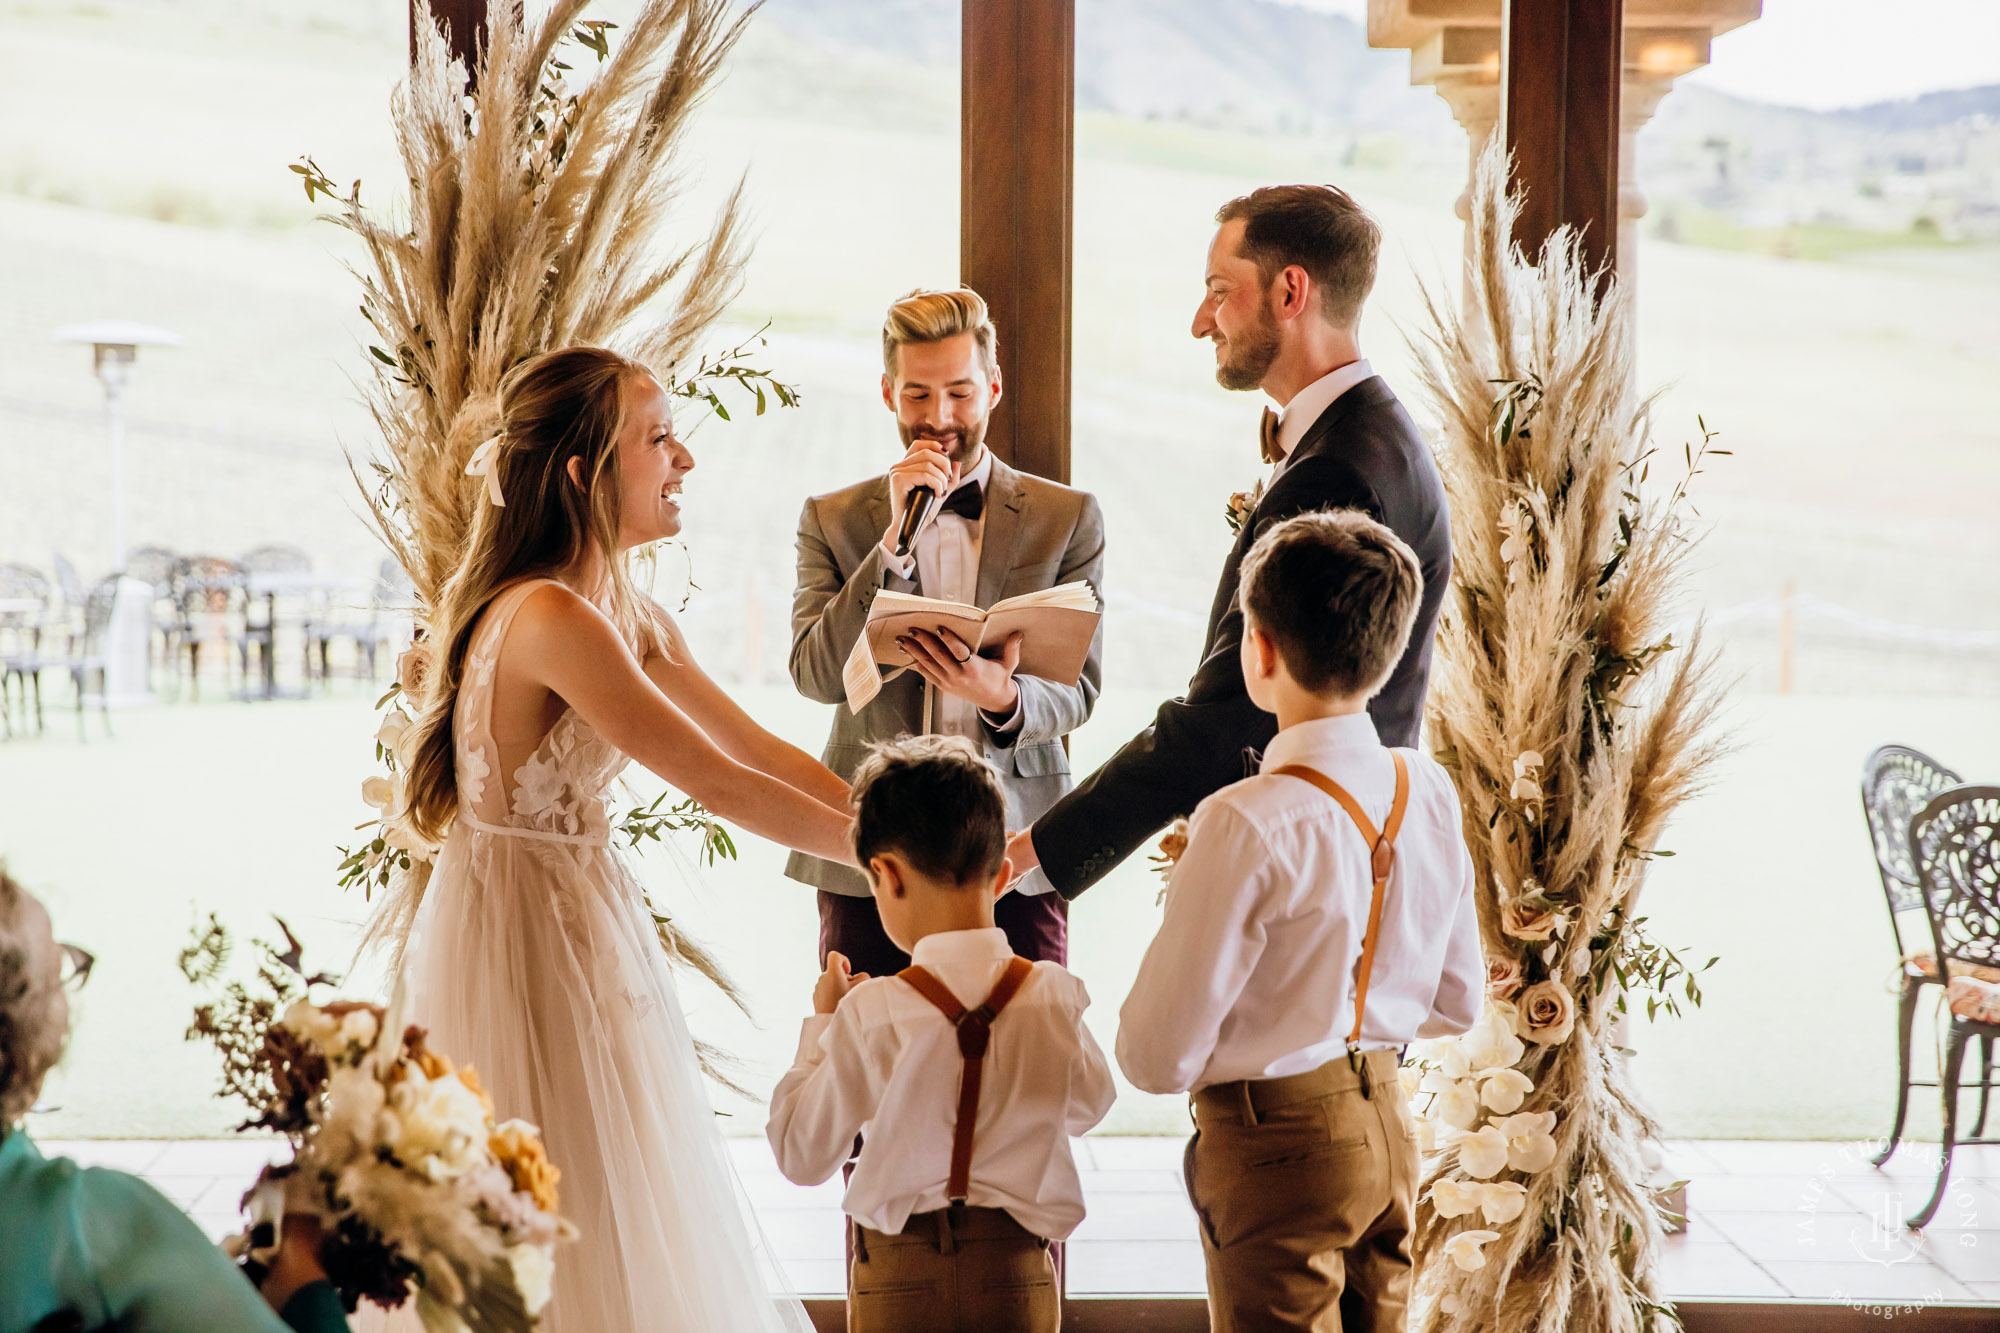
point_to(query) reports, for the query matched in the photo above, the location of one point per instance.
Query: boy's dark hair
(1322, 230)
(1337, 592)
(933, 799)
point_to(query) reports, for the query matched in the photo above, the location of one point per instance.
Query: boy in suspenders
(1320, 918)
(969, 1071)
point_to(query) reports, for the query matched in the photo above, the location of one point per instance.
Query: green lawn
(236, 809)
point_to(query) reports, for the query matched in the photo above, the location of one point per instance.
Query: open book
(1056, 626)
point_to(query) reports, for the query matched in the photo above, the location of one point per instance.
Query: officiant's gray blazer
(1037, 534)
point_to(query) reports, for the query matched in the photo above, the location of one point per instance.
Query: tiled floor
(1766, 1219)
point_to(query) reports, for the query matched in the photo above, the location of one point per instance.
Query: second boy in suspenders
(1320, 918)
(971, 1068)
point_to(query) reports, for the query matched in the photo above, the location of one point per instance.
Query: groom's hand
(946, 661)
(834, 983)
(1021, 851)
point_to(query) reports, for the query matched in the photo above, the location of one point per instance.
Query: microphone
(923, 499)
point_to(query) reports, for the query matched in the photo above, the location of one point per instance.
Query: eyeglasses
(76, 965)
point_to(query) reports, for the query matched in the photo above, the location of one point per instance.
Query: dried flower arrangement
(417, 1190)
(1574, 725)
(537, 204)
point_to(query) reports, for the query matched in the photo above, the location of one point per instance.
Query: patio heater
(128, 638)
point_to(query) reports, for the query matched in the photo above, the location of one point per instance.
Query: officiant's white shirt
(1252, 972)
(945, 561)
(1310, 402)
(886, 1064)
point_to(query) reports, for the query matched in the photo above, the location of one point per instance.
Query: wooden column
(462, 20)
(1559, 80)
(1015, 206)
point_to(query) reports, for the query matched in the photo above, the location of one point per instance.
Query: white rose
(534, 1270)
(443, 1125)
(354, 1102)
(1483, 1152)
(379, 792)
(312, 1025)
(1455, 1198)
(399, 833)
(1503, 1090)
(1492, 1043)
(1464, 1249)
(1501, 1201)
(358, 1028)
(392, 729)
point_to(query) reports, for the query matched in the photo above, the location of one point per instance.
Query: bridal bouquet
(419, 1189)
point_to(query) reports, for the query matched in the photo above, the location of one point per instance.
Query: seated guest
(1301, 950)
(84, 1248)
(951, 1230)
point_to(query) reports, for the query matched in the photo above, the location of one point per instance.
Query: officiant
(991, 533)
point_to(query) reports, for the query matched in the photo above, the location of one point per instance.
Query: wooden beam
(1017, 130)
(1559, 77)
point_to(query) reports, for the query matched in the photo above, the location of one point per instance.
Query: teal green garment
(114, 1250)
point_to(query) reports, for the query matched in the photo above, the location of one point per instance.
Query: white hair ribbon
(482, 465)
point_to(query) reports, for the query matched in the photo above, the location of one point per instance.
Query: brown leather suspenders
(1382, 860)
(975, 1028)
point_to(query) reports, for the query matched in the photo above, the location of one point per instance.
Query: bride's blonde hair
(557, 409)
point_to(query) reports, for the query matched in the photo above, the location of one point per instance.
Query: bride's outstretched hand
(571, 648)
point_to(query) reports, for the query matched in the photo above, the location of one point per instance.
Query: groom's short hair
(1337, 592)
(926, 316)
(935, 800)
(1322, 230)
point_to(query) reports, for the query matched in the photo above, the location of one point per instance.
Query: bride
(533, 955)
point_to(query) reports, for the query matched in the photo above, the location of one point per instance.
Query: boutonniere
(1241, 505)
(1172, 844)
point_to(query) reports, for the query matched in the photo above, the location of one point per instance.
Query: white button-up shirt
(1252, 972)
(945, 560)
(1310, 402)
(887, 1065)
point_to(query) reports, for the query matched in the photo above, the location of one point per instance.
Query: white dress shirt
(1308, 403)
(1252, 972)
(945, 561)
(886, 1064)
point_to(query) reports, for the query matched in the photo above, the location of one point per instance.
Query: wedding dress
(534, 959)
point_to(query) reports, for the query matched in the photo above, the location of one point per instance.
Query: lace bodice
(560, 790)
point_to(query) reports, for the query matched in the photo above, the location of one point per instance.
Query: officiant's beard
(961, 446)
(1246, 358)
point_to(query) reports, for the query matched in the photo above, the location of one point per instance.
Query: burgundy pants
(1037, 929)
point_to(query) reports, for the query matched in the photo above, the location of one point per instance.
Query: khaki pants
(1306, 1192)
(957, 1270)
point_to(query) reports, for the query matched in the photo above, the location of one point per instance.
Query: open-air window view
(221, 759)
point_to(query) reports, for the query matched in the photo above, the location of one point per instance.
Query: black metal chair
(1955, 840)
(84, 655)
(154, 565)
(261, 620)
(208, 597)
(1896, 783)
(21, 644)
(386, 619)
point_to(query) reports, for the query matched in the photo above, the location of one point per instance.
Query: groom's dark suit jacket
(1363, 453)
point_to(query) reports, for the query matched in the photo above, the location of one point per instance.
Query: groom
(1288, 272)
(998, 533)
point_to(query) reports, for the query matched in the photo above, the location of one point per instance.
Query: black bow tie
(968, 501)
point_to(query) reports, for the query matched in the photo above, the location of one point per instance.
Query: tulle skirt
(536, 962)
